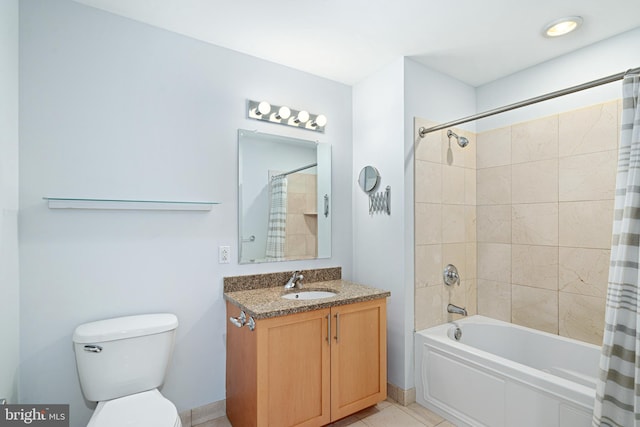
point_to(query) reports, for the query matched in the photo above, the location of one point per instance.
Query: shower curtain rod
(294, 171)
(604, 80)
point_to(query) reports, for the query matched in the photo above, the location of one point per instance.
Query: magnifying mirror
(368, 179)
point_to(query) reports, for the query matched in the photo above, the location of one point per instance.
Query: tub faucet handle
(451, 276)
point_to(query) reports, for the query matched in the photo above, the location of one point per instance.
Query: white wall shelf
(78, 203)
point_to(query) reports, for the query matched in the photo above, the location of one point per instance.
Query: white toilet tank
(125, 355)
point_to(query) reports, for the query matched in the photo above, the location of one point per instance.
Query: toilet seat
(146, 409)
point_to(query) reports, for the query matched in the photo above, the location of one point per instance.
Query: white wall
(378, 252)
(384, 106)
(115, 108)
(608, 57)
(9, 277)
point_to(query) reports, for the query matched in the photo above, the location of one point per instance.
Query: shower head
(462, 141)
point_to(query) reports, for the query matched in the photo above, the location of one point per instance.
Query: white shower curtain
(617, 393)
(276, 232)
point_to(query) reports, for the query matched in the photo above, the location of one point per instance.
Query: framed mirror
(284, 198)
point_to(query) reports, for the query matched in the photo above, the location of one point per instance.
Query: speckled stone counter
(267, 302)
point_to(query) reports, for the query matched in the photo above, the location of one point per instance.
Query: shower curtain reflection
(276, 232)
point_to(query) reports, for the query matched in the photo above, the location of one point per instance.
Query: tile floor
(384, 414)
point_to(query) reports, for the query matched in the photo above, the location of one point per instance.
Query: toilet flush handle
(93, 348)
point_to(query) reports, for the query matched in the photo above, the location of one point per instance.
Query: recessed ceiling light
(562, 26)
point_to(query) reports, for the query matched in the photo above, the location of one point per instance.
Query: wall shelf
(78, 203)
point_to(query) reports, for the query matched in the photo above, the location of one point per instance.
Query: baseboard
(402, 396)
(202, 414)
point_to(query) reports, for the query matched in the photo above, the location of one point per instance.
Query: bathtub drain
(457, 334)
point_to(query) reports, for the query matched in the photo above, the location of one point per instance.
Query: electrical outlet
(224, 254)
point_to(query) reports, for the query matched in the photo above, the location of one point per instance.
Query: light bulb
(320, 121)
(302, 117)
(283, 113)
(263, 108)
(562, 26)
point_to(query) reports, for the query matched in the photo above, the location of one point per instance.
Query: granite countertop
(268, 302)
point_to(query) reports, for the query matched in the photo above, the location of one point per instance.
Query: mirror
(368, 179)
(284, 198)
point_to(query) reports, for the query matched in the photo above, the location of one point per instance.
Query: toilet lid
(146, 409)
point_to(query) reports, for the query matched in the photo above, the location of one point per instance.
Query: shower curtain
(276, 231)
(618, 390)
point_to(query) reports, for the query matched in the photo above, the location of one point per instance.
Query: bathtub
(503, 375)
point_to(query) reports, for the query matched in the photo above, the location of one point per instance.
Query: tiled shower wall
(445, 224)
(301, 240)
(544, 200)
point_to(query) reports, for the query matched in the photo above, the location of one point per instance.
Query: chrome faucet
(456, 310)
(296, 279)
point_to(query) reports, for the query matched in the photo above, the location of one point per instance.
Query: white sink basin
(305, 295)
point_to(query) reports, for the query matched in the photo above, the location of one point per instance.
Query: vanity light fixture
(562, 26)
(262, 110)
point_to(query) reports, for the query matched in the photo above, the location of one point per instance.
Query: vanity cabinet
(307, 369)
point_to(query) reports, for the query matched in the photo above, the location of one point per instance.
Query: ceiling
(347, 40)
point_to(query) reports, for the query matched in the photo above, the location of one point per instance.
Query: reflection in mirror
(368, 179)
(284, 196)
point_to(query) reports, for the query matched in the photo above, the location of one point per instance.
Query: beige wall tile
(535, 182)
(535, 140)
(428, 223)
(584, 271)
(471, 150)
(428, 185)
(494, 300)
(494, 223)
(535, 224)
(494, 262)
(428, 265)
(472, 260)
(470, 186)
(535, 266)
(453, 190)
(429, 307)
(470, 220)
(296, 183)
(466, 296)
(494, 148)
(453, 224)
(296, 203)
(589, 130)
(582, 317)
(535, 308)
(430, 147)
(586, 224)
(494, 186)
(588, 176)
(296, 245)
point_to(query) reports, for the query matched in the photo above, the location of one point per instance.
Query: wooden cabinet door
(358, 357)
(293, 368)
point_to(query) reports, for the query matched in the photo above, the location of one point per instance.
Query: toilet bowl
(146, 409)
(121, 364)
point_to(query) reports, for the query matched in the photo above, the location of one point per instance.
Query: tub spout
(456, 310)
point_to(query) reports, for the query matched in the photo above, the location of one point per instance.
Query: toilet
(121, 363)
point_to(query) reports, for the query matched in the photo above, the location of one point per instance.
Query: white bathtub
(504, 375)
